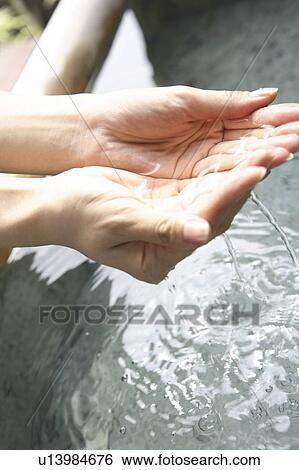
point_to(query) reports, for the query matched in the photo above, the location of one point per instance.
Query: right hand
(140, 224)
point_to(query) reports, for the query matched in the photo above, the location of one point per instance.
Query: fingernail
(196, 232)
(263, 92)
(290, 157)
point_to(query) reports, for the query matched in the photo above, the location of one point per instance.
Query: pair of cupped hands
(165, 171)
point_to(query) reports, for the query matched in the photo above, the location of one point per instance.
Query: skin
(164, 170)
(172, 132)
(126, 224)
(181, 132)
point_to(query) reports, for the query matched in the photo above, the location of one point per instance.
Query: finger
(233, 187)
(270, 157)
(212, 104)
(228, 216)
(154, 226)
(262, 133)
(261, 158)
(289, 142)
(216, 164)
(274, 115)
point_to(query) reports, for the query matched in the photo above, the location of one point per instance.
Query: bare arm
(39, 135)
(88, 210)
(75, 42)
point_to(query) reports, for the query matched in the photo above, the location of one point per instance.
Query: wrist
(40, 135)
(91, 113)
(35, 212)
(57, 216)
(21, 213)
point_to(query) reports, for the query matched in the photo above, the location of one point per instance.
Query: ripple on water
(206, 382)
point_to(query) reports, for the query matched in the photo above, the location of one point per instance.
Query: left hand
(182, 132)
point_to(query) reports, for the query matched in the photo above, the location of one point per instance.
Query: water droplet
(153, 408)
(286, 384)
(123, 430)
(125, 378)
(293, 407)
(290, 407)
(208, 423)
(141, 404)
(281, 408)
(258, 413)
(172, 289)
(269, 389)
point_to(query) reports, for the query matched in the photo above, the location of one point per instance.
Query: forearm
(40, 135)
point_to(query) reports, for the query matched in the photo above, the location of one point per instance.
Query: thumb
(157, 227)
(211, 104)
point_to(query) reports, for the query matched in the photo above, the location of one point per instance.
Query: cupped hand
(181, 132)
(144, 225)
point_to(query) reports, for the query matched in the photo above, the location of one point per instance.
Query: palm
(214, 197)
(170, 137)
(163, 154)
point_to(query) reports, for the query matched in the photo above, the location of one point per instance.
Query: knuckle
(119, 222)
(237, 98)
(165, 232)
(242, 95)
(114, 224)
(181, 89)
(183, 100)
(238, 95)
(182, 93)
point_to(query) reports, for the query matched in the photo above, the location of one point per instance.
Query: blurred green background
(15, 13)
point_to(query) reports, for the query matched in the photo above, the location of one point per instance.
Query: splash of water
(248, 288)
(255, 199)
